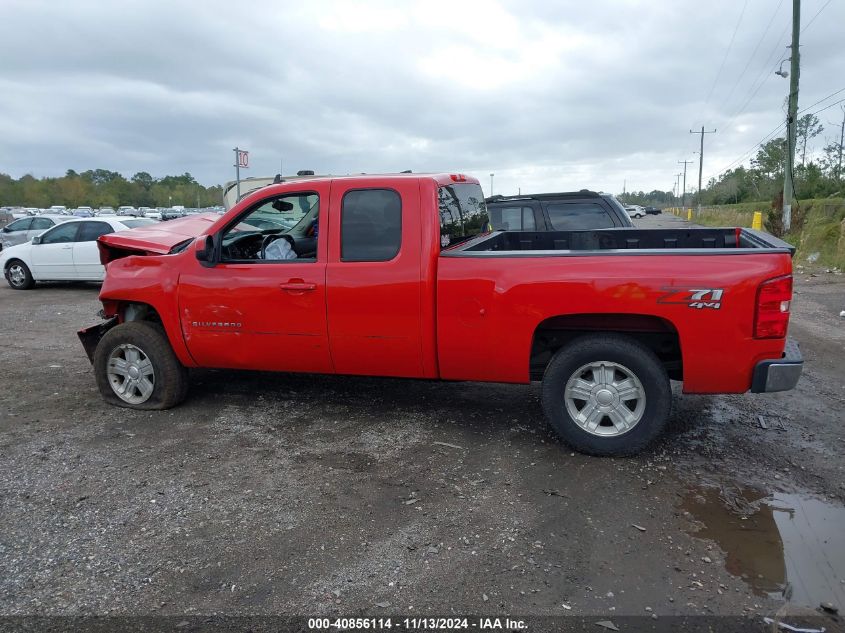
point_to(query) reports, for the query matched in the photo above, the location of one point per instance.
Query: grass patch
(823, 231)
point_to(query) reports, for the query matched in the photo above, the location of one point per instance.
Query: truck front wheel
(136, 368)
(606, 395)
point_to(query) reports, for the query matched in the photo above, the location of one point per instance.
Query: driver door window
(62, 234)
(279, 229)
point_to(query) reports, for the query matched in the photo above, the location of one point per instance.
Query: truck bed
(697, 241)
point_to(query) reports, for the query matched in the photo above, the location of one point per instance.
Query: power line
(753, 54)
(761, 77)
(770, 135)
(727, 52)
(824, 6)
(820, 100)
(828, 106)
(748, 152)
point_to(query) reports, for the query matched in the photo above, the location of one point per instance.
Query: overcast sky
(546, 95)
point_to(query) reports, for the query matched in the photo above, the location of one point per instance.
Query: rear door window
(40, 224)
(370, 225)
(90, 231)
(517, 218)
(578, 216)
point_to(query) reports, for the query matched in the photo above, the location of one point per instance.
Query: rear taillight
(772, 314)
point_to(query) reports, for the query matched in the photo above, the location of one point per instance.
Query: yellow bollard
(689, 214)
(757, 222)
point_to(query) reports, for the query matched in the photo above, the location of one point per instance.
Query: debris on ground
(829, 607)
(607, 624)
(639, 527)
(449, 445)
(789, 627)
(762, 422)
(555, 493)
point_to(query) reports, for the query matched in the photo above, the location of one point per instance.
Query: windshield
(463, 213)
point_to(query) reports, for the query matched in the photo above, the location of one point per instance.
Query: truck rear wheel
(135, 367)
(606, 395)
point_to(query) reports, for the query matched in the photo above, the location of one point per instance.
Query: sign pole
(238, 170)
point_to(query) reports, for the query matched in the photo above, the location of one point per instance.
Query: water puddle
(786, 546)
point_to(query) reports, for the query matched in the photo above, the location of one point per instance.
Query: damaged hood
(159, 238)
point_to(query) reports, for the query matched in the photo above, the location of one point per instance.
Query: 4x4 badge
(693, 297)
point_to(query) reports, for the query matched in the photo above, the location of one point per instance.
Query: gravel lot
(296, 494)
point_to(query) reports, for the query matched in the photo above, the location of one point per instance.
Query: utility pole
(841, 138)
(684, 195)
(678, 183)
(792, 116)
(491, 183)
(701, 160)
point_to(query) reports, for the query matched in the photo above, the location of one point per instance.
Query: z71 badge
(693, 297)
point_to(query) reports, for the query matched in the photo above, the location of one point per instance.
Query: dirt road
(268, 494)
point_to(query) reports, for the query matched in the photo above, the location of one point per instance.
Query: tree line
(103, 188)
(816, 175)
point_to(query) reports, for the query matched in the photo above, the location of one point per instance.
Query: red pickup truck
(394, 275)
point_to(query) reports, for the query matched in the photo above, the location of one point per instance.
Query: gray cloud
(545, 95)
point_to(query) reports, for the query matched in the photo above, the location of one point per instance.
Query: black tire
(170, 384)
(28, 283)
(632, 356)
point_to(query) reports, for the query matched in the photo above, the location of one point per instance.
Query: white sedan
(66, 252)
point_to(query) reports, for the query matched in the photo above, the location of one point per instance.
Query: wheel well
(132, 311)
(11, 261)
(656, 333)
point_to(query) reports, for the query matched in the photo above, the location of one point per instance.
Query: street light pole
(491, 184)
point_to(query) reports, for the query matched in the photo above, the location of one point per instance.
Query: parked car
(127, 210)
(567, 211)
(24, 229)
(172, 214)
(83, 212)
(653, 211)
(67, 251)
(388, 276)
(106, 211)
(635, 210)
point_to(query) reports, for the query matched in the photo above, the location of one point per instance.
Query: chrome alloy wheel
(605, 399)
(17, 275)
(131, 374)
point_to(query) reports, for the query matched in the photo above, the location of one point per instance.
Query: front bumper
(90, 336)
(780, 374)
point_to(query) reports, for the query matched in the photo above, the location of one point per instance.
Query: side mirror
(6, 229)
(36, 239)
(204, 250)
